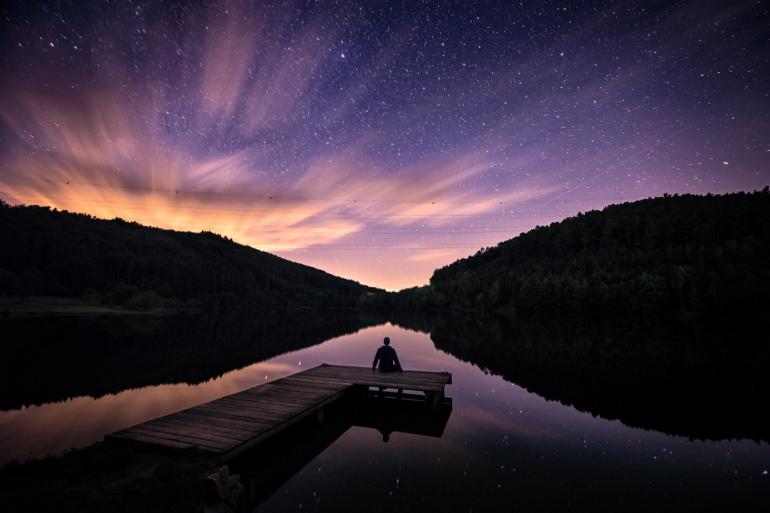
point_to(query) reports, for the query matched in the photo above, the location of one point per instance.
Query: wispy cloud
(97, 158)
(373, 142)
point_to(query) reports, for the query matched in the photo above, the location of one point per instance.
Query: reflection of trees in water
(56, 358)
(693, 379)
(700, 380)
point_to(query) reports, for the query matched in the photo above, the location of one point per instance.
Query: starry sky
(378, 140)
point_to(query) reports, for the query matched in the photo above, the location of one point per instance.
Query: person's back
(387, 358)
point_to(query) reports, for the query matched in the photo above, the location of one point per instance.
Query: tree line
(687, 253)
(58, 253)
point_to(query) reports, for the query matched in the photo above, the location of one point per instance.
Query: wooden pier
(232, 424)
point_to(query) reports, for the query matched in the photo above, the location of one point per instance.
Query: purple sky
(374, 140)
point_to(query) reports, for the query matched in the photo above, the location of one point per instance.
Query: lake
(542, 416)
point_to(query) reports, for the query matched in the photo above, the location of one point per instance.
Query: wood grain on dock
(236, 422)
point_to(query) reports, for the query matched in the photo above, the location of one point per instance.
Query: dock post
(435, 398)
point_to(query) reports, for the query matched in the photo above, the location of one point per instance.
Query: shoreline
(31, 306)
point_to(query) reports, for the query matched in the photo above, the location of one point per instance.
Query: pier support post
(434, 398)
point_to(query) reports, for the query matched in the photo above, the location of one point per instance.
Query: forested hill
(49, 252)
(674, 253)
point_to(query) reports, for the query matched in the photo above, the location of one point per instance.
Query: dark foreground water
(692, 433)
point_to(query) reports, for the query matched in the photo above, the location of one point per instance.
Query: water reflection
(506, 448)
(56, 358)
(68, 381)
(42, 429)
(507, 445)
(701, 380)
(292, 450)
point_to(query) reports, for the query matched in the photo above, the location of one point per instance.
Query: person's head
(386, 341)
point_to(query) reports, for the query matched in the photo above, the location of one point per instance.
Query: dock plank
(191, 441)
(195, 434)
(247, 414)
(215, 418)
(140, 437)
(188, 427)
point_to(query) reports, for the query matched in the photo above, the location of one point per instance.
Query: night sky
(378, 140)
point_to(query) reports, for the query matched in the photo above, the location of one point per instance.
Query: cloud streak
(93, 156)
(376, 139)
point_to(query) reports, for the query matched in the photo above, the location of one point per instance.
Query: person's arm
(376, 359)
(395, 359)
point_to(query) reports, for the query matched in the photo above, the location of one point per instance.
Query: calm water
(503, 448)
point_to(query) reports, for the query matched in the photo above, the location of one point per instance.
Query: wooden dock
(232, 424)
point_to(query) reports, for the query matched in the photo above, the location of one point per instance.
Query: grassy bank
(49, 305)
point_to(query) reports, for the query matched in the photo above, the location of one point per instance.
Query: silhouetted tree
(683, 253)
(48, 252)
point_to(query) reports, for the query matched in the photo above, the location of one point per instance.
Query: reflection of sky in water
(499, 439)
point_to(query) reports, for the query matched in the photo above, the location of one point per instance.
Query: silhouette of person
(385, 434)
(387, 358)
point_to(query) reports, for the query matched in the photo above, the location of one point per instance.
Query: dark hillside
(673, 253)
(49, 252)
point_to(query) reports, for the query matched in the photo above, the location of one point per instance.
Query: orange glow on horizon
(97, 150)
(99, 161)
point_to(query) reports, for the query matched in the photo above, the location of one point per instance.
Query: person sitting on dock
(387, 358)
